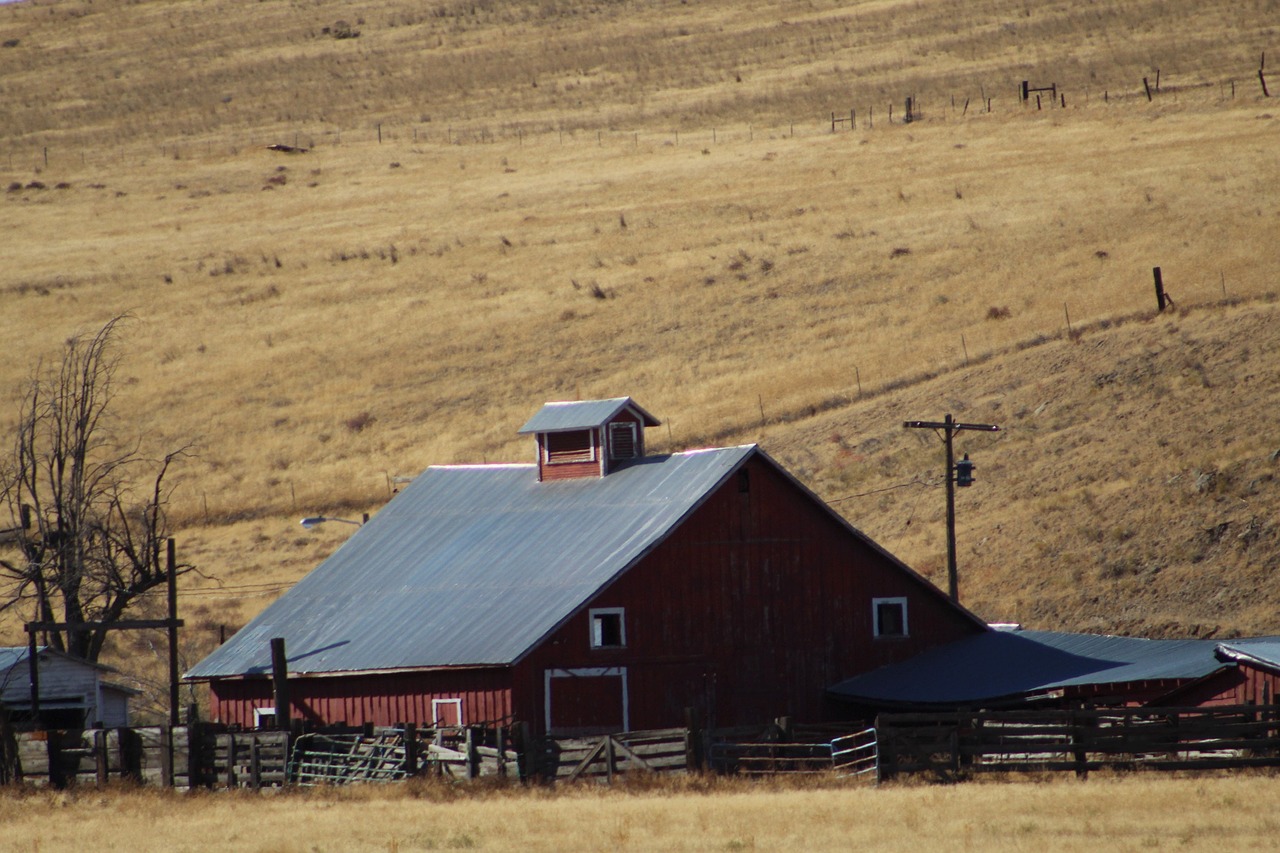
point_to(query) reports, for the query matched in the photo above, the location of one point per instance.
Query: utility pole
(958, 474)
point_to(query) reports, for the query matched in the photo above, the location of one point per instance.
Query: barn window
(622, 441)
(607, 629)
(446, 713)
(577, 446)
(890, 615)
(264, 717)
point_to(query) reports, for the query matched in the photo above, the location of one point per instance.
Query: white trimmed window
(264, 717)
(889, 615)
(608, 630)
(577, 446)
(446, 713)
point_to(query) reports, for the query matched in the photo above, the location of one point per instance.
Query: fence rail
(943, 744)
(1080, 740)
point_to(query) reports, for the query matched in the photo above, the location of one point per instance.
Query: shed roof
(11, 656)
(999, 665)
(1260, 651)
(473, 565)
(582, 414)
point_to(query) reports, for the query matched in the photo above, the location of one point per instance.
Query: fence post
(410, 749)
(231, 760)
(100, 756)
(1080, 753)
(1160, 297)
(255, 764)
(473, 757)
(166, 756)
(694, 757)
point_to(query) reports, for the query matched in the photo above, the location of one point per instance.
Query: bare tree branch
(94, 546)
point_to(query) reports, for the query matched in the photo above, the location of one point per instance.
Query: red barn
(597, 589)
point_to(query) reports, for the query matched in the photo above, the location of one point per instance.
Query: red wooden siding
(749, 611)
(382, 700)
(1239, 685)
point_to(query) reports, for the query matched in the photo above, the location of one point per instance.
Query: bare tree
(91, 508)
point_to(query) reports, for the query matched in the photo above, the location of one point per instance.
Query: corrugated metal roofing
(1000, 664)
(473, 565)
(14, 655)
(1258, 650)
(582, 414)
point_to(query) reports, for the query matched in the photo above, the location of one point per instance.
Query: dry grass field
(1141, 813)
(499, 204)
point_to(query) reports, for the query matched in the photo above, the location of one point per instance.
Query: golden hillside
(497, 204)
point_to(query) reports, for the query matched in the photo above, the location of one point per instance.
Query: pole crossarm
(123, 624)
(949, 425)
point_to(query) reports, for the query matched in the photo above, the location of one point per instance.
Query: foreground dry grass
(1120, 814)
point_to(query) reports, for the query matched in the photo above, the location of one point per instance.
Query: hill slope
(497, 204)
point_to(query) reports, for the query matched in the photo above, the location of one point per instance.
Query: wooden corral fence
(157, 755)
(605, 756)
(955, 744)
(779, 749)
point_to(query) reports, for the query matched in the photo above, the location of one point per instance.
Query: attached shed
(598, 589)
(1251, 676)
(1050, 669)
(73, 692)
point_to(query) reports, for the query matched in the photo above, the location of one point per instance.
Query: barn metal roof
(1264, 651)
(582, 414)
(473, 565)
(1003, 664)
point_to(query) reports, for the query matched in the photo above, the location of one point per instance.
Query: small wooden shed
(599, 589)
(73, 692)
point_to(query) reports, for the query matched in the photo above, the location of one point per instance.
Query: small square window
(607, 629)
(890, 616)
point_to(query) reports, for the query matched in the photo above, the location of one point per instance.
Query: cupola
(588, 438)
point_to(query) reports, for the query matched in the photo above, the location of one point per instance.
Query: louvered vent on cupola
(588, 438)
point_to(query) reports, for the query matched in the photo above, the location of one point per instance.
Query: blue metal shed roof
(582, 414)
(473, 565)
(1000, 664)
(1264, 651)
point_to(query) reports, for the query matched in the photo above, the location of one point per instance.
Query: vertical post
(33, 668)
(410, 749)
(953, 582)
(1160, 298)
(1147, 87)
(1026, 90)
(528, 755)
(231, 761)
(100, 756)
(473, 756)
(166, 756)
(280, 683)
(255, 764)
(173, 634)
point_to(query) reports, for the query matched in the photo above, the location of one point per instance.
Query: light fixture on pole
(958, 474)
(311, 522)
